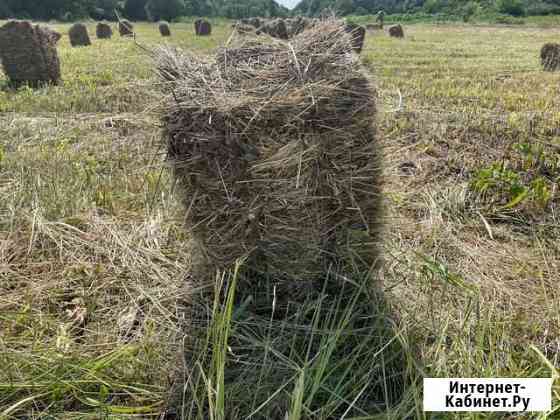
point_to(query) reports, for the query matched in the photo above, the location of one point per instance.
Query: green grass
(93, 254)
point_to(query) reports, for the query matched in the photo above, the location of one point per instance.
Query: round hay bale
(396, 31)
(103, 30)
(358, 34)
(78, 35)
(164, 28)
(28, 53)
(202, 27)
(550, 57)
(126, 28)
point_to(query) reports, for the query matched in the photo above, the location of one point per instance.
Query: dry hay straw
(202, 27)
(164, 29)
(103, 30)
(396, 31)
(78, 35)
(550, 57)
(28, 53)
(274, 145)
(126, 28)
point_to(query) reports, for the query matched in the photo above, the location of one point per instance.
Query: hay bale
(550, 57)
(278, 161)
(28, 53)
(297, 25)
(202, 27)
(78, 35)
(358, 34)
(255, 22)
(396, 31)
(276, 28)
(126, 28)
(103, 30)
(164, 29)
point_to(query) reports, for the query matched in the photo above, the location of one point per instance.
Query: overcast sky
(290, 4)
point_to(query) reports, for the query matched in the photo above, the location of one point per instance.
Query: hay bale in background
(103, 30)
(358, 34)
(202, 27)
(28, 53)
(550, 57)
(126, 28)
(278, 161)
(297, 25)
(276, 28)
(396, 31)
(78, 35)
(164, 29)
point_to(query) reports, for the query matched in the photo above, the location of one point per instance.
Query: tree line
(451, 7)
(68, 10)
(171, 9)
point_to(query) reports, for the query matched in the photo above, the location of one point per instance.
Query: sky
(290, 4)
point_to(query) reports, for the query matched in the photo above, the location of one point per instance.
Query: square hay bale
(396, 31)
(79, 36)
(126, 28)
(274, 146)
(28, 53)
(164, 28)
(358, 36)
(103, 30)
(550, 57)
(202, 27)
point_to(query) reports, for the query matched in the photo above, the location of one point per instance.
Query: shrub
(511, 7)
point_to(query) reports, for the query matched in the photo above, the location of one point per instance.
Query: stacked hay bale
(358, 34)
(164, 29)
(202, 27)
(103, 30)
(126, 28)
(28, 53)
(79, 36)
(274, 146)
(396, 31)
(550, 57)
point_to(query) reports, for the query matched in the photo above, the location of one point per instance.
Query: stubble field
(93, 254)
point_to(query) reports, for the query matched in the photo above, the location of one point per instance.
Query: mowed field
(93, 252)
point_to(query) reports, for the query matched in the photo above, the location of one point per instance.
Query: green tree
(511, 7)
(164, 9)
(135, 9)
